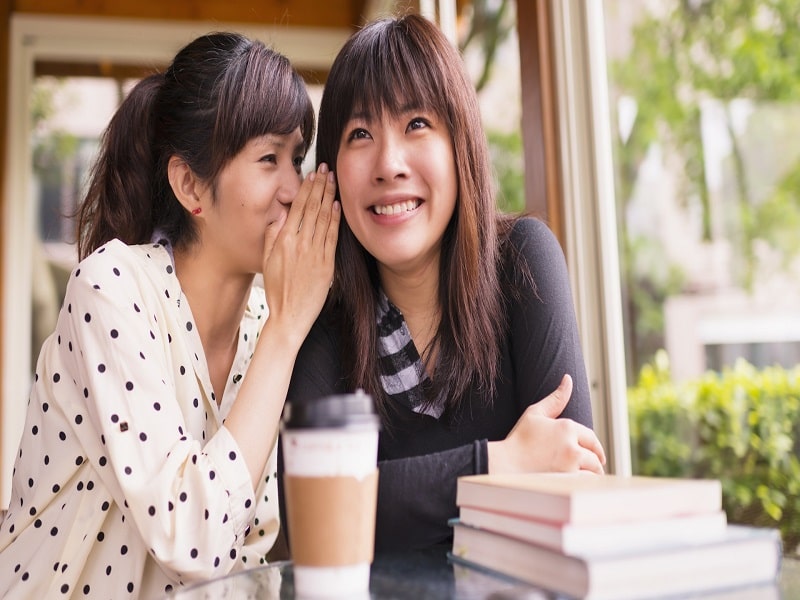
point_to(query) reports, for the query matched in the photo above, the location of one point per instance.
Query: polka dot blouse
(126, 485)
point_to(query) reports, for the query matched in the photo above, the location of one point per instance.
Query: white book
(744, 557)
(589, 499)
(583, 539)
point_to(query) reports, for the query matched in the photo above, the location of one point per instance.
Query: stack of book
(607, 536)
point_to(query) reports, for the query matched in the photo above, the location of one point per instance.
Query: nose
(391, 159)
(288, 187)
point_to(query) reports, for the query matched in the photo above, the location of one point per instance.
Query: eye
(358, 134)
(298, 163)
(269, 158)
(418, 123)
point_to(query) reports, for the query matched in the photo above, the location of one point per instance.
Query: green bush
(741, 426)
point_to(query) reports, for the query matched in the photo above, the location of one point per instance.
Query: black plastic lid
(354, 410)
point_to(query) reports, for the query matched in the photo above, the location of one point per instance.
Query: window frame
(580, 201)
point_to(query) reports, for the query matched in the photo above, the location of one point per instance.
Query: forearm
(254, 418)
(417, 496)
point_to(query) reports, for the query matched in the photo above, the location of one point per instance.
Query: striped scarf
(403, 375)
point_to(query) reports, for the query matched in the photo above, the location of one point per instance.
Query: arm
(297, 269)
(141, 435)
(545, 347)
(417, 496)
(545, 343)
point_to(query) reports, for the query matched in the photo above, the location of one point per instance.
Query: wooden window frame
(569, 183)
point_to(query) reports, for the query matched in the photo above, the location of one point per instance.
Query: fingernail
(323, 168)
(312, 176)
(331, 177)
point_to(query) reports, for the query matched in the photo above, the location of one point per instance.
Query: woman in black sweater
(457, 319)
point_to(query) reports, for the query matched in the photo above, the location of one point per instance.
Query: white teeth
(394, 209)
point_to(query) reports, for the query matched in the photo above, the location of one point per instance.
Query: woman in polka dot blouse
(148, 455)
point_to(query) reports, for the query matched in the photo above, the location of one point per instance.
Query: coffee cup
(330, 450)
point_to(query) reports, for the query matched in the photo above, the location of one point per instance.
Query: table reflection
(429, 574)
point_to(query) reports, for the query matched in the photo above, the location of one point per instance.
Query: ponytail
(119, 200)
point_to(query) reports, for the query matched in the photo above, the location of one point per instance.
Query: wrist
(495, 456)
(282, 335)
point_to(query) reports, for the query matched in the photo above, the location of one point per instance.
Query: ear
(186, 186)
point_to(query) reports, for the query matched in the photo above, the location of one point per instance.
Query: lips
(396, 208)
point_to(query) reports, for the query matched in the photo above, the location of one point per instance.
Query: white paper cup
(330, 449)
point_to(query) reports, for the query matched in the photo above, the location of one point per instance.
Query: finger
(297, 209)
(591, 463)
(313, 202)
(271, 234)
(553, 405)
(326, 209)
(589, 440)
(333, 232)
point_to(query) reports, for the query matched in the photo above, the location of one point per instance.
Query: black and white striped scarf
(403, 375)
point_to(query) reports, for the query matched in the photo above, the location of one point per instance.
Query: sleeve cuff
(236, 478)
(480, 459)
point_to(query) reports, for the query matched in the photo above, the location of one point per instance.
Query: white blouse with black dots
(126, 484)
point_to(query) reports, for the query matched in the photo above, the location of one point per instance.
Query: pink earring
(197, 211)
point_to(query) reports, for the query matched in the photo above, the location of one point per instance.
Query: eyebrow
(405, 108)
(279, 141)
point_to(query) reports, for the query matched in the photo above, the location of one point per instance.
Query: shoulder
(118, 258)
(530, 244)
(531, 232)
(115, 267)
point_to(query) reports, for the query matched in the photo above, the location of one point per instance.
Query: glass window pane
(68, 116)
(705, 99)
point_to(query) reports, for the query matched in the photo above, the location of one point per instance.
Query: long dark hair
(385, 66)
(221, 91)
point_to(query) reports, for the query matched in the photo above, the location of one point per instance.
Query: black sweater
(420, 457)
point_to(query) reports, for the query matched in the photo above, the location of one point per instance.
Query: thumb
(271, 234)
(553, 405)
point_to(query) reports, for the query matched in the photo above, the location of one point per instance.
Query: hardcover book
(743, 557)
(582, 539)
(589, 499)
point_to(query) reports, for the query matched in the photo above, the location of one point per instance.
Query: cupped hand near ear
(299, 251)
(542, 442)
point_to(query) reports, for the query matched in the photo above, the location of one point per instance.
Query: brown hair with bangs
(221, 91)
(386, 66)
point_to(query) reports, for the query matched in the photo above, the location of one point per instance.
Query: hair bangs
(414, 81)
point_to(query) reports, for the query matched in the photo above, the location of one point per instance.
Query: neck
(413, 292)
(416, 295)
(218, 299)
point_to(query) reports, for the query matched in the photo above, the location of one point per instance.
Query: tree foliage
(692, 52)
(489, 26)
(741, 426)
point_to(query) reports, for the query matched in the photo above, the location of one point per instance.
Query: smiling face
(251, 191)
(398, 187)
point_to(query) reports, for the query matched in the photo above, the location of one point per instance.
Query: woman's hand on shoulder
(542, 442)
(299, 253)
